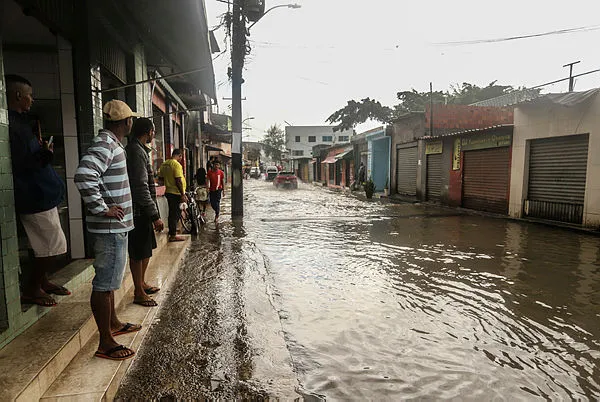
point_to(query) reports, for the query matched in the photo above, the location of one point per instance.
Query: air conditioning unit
(254, 9)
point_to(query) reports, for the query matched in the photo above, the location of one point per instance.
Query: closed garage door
(486, 175)
(434, 177)
(406, 171)
(557, 176)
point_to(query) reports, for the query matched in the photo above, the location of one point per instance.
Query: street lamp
(296, 5)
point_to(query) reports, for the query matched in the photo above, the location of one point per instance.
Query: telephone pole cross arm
(571, 78)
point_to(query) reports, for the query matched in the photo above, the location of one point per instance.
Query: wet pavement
(339, 298)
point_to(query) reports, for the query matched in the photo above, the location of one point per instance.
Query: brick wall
(467, 117)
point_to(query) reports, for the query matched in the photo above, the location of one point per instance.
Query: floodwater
(388, 302)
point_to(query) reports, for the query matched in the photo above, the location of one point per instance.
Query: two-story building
(300, 140)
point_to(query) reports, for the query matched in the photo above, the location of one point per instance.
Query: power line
(511, 38)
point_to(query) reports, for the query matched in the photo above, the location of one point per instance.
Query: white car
(271, 173)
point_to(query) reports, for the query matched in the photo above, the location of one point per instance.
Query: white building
(299, 141)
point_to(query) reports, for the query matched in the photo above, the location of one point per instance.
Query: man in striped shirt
(104, 186)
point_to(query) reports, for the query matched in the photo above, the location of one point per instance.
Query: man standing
(216, 187)
(172, 173)
(38, 192)
(104, 186)
(361, 174)
(146, 217)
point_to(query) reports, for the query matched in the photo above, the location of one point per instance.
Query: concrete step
(89, 378)
(36, 358)
(72, 277)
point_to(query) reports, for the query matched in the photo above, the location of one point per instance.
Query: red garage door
(486, 175)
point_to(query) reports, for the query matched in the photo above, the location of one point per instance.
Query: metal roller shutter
(557, 176)
(434, 177)
(486, 175)
(406, 171)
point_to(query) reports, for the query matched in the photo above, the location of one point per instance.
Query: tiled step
(35, 359)
(88, 378)
(72, 277)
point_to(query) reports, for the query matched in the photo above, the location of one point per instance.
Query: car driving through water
(286, 180)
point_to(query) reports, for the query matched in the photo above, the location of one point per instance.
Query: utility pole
(431, 108)
(571, 78)
(238, 52)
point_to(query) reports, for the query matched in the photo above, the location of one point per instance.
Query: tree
(358, 112)
(253, 154)
(413, 101)
(274, 140)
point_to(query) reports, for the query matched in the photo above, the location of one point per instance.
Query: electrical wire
(511, 38)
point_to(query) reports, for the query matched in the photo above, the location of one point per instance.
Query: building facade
(556, 159)
(79, 55)
(300, 140)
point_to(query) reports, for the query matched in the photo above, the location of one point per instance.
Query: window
(297, 138)
(312, 138)
(298, 153)
(343, 138)
(327, 138)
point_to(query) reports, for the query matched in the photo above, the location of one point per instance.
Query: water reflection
(403, 301)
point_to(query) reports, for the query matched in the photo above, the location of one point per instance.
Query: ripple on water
(426, 305)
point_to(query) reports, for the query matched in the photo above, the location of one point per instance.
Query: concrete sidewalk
(54, 358)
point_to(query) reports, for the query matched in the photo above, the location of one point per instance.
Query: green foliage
(413, 101)
(358, 112)
(253, 154)
(274, 140)
(369, 188)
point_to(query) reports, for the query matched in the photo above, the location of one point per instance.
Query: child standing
(201, 194)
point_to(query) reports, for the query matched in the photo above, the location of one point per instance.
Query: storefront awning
(330, 159)
(212, 148)
(343, 154)
(176, 35)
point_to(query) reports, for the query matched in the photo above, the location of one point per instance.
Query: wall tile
(69, 118)
(71, 155)
(77, 238)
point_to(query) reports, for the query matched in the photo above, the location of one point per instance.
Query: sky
(307, 63)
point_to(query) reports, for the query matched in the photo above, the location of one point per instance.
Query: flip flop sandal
(58, 290)
(127, 329)
(40, 301)
(146, 302)
(109, 353)
(151, 290)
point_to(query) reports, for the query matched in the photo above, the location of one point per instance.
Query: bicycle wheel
(198, 218)
(193, 219)
(186, 222)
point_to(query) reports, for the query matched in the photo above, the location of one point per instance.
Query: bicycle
(191, 218)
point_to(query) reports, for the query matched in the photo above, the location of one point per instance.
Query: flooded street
(380, 302)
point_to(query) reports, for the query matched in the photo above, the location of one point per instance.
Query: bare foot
(38, 297)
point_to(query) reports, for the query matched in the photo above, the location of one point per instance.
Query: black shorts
(141, 239)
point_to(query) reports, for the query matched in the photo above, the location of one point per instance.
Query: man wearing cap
(104, 186)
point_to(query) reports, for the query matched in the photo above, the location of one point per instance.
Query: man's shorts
(111, 256)
(141, 239)
(45, 234)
